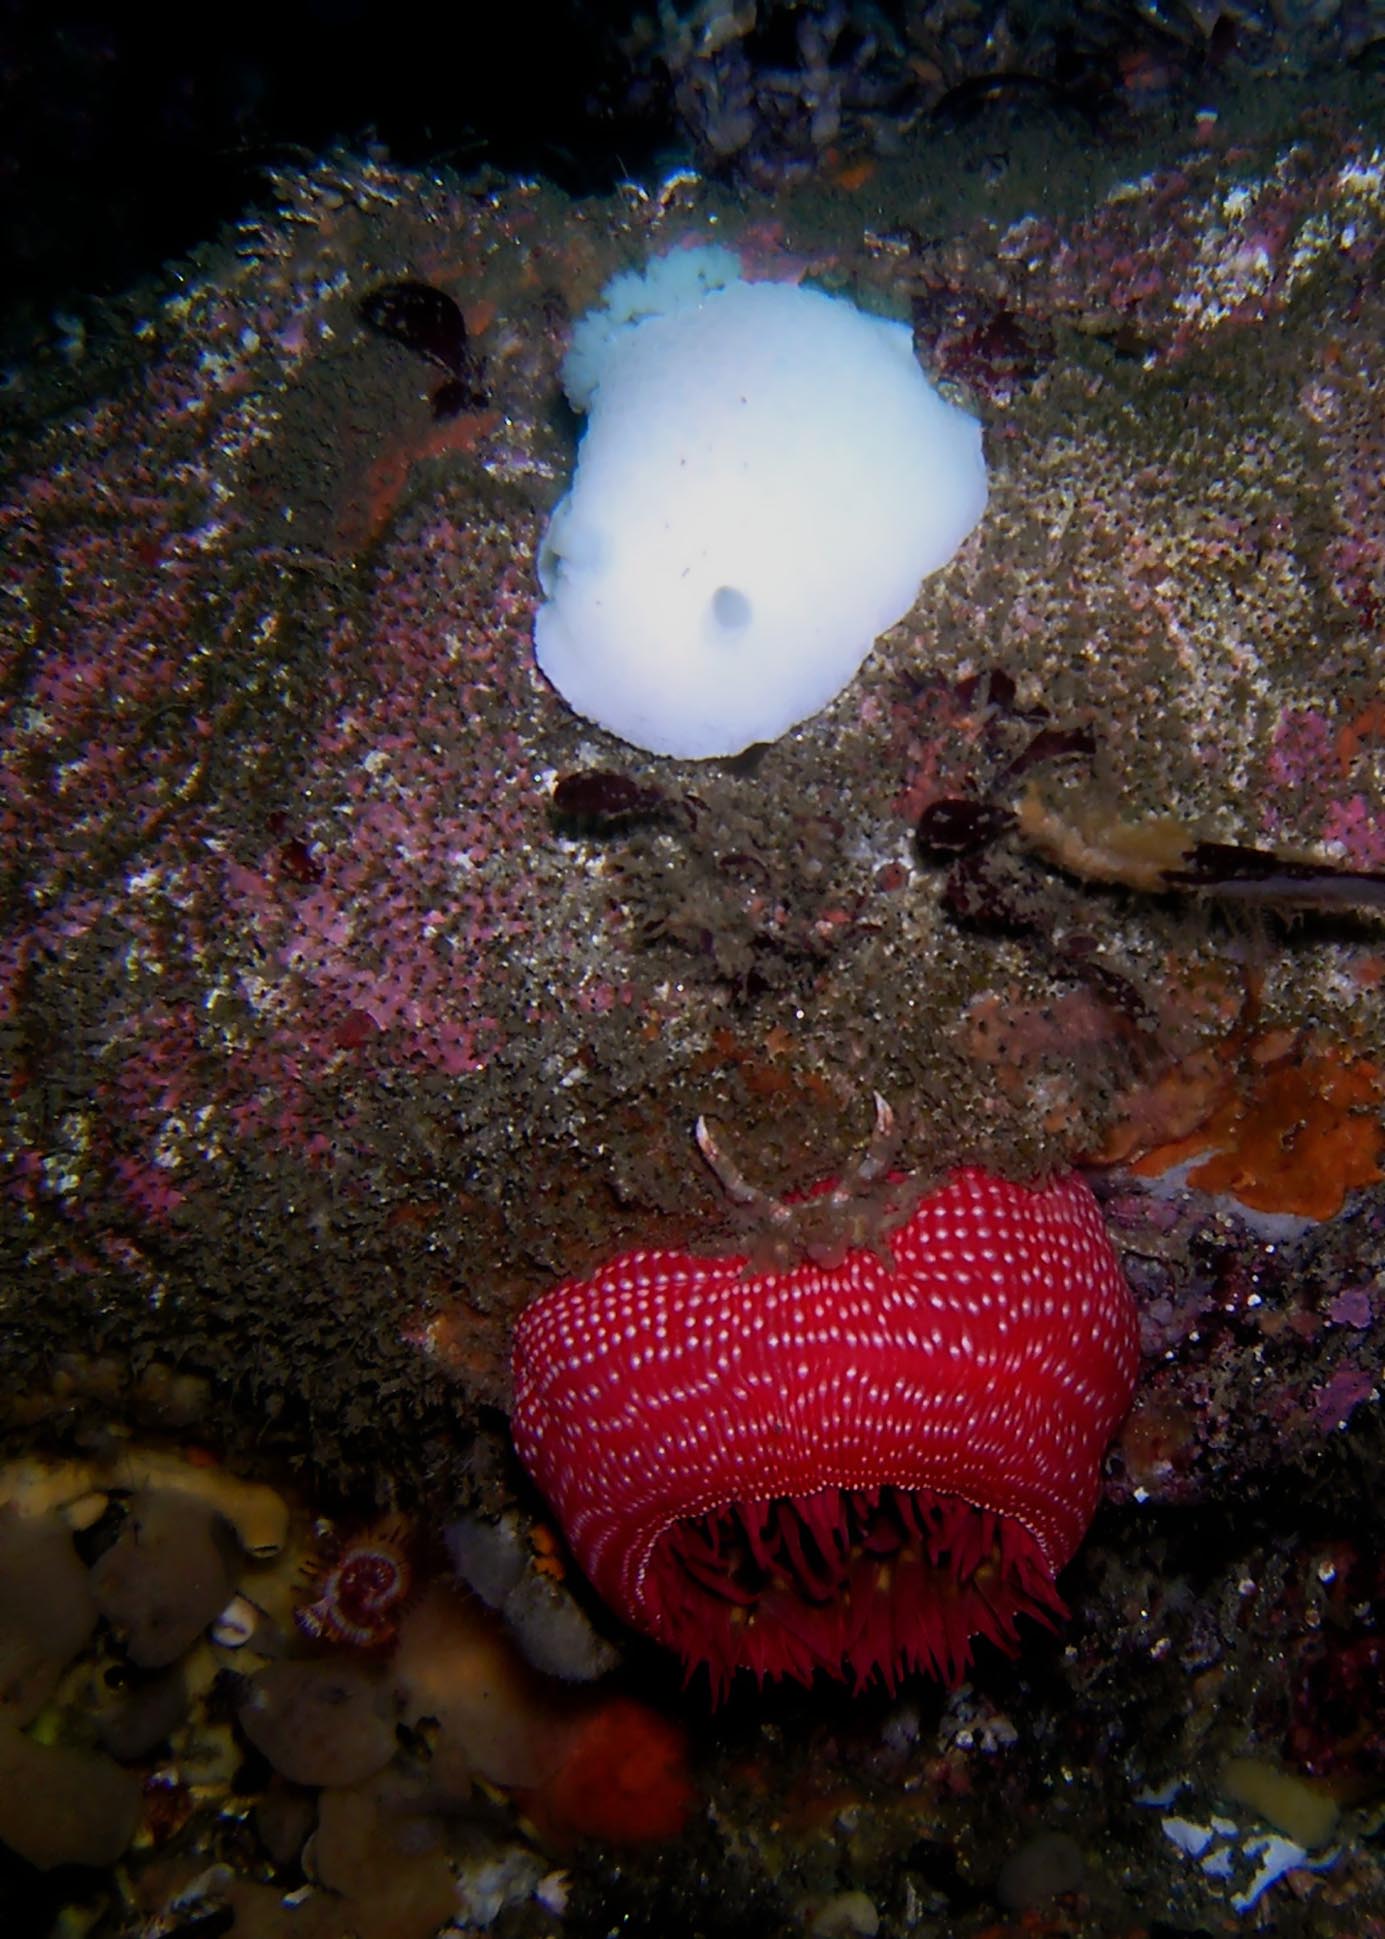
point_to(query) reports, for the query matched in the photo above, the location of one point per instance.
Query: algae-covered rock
(46, 1610)
(322, 1722)
(63, 1806)
(167, 1575)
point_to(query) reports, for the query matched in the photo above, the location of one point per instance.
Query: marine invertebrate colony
(765, 479)
(856, 1468)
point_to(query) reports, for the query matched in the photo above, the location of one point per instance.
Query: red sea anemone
(852, 1468)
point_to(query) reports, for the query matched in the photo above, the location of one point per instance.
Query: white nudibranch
(765, 478)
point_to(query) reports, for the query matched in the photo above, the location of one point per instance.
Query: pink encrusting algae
(274, 832)
(1228, 254)
(411, 920)
(855, 1468)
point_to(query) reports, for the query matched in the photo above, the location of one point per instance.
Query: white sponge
(765, 478)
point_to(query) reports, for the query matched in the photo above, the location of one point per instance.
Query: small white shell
(237, 1623)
